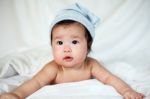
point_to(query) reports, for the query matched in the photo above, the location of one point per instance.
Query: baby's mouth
(68, 58)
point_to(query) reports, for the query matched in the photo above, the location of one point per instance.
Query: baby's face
(69, 45)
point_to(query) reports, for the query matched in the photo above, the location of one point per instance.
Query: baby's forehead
(69, 35)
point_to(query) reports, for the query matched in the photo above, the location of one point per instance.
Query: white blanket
(77, 90)
(88, 89)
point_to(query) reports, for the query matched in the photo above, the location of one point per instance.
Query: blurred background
(25, 23)
(123, 33)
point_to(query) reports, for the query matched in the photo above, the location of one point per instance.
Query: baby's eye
(59, 42)
(75, 42)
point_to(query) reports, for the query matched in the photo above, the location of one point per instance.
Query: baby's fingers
(134, 96)
(141, 95)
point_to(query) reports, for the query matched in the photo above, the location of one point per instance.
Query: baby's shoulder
(51, 65)
(93, 62)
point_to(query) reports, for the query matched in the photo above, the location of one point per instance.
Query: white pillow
(25, 63)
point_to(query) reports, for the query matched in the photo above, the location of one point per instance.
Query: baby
(72, 33)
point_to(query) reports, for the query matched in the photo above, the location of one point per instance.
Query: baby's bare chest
(64, 77)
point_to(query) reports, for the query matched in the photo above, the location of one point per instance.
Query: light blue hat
(79, 13)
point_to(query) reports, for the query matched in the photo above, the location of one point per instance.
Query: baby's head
(77, 13)
(69, 41)
(67, 23)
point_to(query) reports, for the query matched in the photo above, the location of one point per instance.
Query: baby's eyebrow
(57, 37)
(74, 37)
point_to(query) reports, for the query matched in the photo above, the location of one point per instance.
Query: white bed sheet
(9, 84)
(87, 89)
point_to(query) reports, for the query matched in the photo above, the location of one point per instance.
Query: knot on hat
(85, 12)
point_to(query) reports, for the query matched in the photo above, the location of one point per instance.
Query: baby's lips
(68, 58)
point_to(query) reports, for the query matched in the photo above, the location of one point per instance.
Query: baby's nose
(67, 48)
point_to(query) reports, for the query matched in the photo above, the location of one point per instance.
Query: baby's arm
(106, 77)
(22, 91)
(44, 77)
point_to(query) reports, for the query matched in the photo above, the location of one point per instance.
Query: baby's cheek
(81, 57)
(57, 59)
(57, 50)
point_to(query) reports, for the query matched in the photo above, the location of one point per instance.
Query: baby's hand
(131, 94)
(9, 96)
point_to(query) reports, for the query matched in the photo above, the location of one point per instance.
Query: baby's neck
(73, 68)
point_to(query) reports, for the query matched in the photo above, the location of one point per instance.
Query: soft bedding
(77, 90)
(88, 89)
